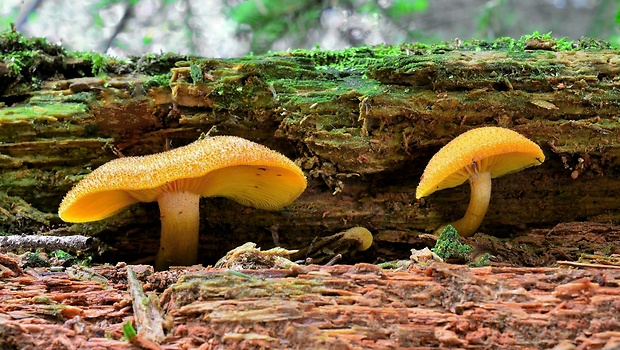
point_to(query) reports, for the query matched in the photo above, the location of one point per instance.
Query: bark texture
(362, 123)
(337, 307)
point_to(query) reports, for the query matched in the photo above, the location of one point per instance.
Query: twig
(120, 26)
(147, 314)
(25, 12)
(578, 264)
(189, 28)
(334, 260)
(66, 243)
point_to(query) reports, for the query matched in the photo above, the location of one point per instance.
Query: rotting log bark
(337, 307)
(361, 122)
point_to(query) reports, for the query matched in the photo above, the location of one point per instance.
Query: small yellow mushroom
(359, 234)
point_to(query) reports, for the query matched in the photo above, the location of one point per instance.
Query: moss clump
(481, 260)
(196, 73)
(538, 41)
(449, 245)
(158, 80)
(26, 59)
(11, 41)
(35, 259)
(100, 63)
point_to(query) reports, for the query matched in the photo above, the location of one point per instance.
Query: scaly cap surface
(227, 166)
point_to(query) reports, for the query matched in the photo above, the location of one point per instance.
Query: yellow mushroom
(478, 155)
(359, 234)
(224, 166)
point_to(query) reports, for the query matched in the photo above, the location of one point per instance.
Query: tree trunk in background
(362, 123)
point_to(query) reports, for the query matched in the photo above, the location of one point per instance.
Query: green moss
(389, 265)
(481, 261)
(33, 259)
(12, 41)
(21, 53)
(61, 254)
(18, 216)
(42, 112)
(128, 331)
(158, 80)
(358, 59)
(355, 59)
(449, 245)
(196, 73)
(99, 64)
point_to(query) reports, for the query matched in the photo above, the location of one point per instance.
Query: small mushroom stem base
(480, 184)
(179, 211)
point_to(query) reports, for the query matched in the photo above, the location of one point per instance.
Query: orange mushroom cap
(496, 150)
(226, 166)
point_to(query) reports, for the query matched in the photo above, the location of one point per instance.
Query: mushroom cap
(226, 166)
(491, 149)
(360, 234)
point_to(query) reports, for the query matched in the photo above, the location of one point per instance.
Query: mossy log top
(361, 122)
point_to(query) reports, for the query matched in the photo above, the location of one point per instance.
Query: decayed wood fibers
(342, 306)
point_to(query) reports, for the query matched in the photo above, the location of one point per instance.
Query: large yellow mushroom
(225, 166)
(478, 155)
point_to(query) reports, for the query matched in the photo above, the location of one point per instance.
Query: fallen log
(361, 122)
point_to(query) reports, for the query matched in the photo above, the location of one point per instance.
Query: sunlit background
(220, 28)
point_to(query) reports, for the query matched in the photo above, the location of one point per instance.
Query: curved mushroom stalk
(180, 219)
(478, 155)
(480, 184)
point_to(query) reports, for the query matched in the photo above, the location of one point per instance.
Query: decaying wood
(147, 312)
(336, 307)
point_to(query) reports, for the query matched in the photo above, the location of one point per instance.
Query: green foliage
(34, 259)
(61, 255)
(491, 19)
(397, 9)
(481, 261)
(406, 7)
(449, 245)
(7, 22)
(100, 62)
(271, 20)
(102, 4)
(147, 39)
(128, 331)
(24, 56)
(158, 80)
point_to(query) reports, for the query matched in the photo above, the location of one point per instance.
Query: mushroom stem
(480, 184)
(179, 211)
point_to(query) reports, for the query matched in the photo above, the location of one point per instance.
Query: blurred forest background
(232, 28)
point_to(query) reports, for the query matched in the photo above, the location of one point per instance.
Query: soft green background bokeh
(220, 28)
